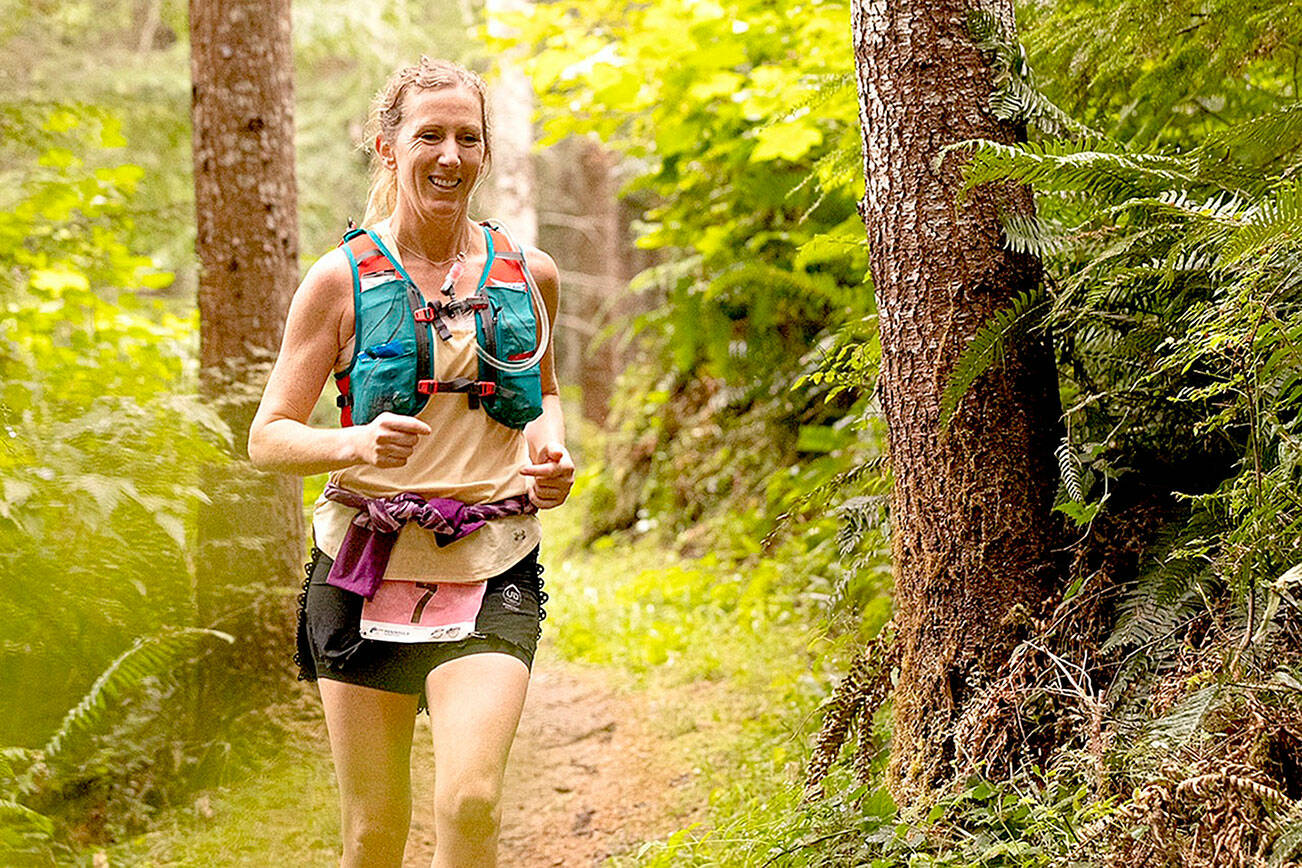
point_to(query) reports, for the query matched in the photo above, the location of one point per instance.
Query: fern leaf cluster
(147, 657)
(988, 346)
(24, 774)
(1173, 299)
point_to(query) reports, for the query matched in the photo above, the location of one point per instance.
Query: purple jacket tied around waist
(364, 553)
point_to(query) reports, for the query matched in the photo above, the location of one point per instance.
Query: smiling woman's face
(437, 150)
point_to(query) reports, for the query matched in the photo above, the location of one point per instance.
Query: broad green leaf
(789, 141)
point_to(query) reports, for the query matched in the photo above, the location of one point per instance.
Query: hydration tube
(544, 325)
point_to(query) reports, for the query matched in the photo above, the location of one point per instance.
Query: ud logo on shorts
(512, 598)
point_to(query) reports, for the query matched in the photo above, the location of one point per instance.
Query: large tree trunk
(970, 510)
(251, 536)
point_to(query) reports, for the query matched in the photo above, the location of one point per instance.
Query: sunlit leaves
(729, 108)
(1166, 73)
(100, 438)
(789, 140)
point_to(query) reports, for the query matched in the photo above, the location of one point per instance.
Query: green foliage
(343, 53)
(988, 345)
(738, 123)
(36, 779)
(1173, 303)
(712, 617)
(1174, 307)
(146, 657)
(1028, 822)
(99, 468)
(1153, 74)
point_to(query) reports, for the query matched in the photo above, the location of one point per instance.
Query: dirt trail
(585, 780)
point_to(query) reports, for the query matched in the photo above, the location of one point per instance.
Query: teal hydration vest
(395, 327)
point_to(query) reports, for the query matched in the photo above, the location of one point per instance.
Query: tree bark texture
(603, 263)
(251, 535)
(971, 506)
(245, 195)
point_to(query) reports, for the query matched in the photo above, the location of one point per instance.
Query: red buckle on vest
(482, 388)
(424, 314)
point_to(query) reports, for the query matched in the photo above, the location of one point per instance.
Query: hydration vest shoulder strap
(508, 264)
(373, 266)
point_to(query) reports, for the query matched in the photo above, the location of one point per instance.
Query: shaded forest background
(1150, 713)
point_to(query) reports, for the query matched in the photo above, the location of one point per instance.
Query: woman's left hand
(552, 473)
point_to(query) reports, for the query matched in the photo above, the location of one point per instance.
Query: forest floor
(599, 765)
(587, 778)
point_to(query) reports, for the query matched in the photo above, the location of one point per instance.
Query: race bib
(422, 611)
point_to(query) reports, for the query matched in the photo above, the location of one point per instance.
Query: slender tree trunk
(251, 535)
(604, 262)
(970, 510)
(511, 193)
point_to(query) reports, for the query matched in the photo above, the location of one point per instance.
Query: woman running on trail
(424, 588)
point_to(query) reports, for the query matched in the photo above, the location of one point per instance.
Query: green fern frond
(1069, 470)
(988, 345)
(1110, 176)
(14, 814)
(842, 166)
(12, 761)
(1134, 677)
(20, 825)
(1179, 726)
(666, 275)
(821, 498)
(1278, 131)
(1139, 343)
(1275, 221)
(859, 516)
(1016, 98)
(1017, 101)
(1221, 206)
(1197, 258)
(147, 657)
(1289, 842)
(984, 28)
(1160, 603)
(822, 90)
(1029, 233)
(762, 281)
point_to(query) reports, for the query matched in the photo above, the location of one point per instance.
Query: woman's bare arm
(280, 438)
(551, 471)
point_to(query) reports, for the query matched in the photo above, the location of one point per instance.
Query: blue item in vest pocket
(507, 331)
(382, 385)
(391, 350)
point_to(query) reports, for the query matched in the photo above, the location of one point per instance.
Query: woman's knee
(472, 807)
(377, 829)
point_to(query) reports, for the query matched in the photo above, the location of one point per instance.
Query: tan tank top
(468, 456)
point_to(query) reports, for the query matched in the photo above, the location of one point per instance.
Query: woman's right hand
(388, 440)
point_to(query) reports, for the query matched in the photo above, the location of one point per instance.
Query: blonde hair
(386, 116)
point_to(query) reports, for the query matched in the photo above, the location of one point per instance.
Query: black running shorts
(330, 645)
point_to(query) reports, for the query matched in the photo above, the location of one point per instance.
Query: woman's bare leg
(370, 737)
(475, 704)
